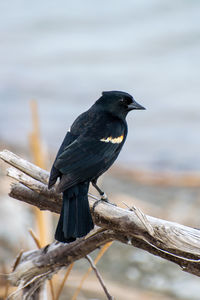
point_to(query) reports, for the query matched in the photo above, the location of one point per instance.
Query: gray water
(64, 53)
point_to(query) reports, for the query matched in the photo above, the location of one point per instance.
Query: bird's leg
(102, 194)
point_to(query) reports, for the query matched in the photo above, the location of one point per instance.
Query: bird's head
(118, 103)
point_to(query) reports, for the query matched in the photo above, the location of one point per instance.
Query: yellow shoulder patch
(112, 140)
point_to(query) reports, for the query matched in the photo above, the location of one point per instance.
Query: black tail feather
(75, 218)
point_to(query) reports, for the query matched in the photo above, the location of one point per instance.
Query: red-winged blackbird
(89, 148)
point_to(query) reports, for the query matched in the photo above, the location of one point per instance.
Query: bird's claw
(104, 198)
(95, 204)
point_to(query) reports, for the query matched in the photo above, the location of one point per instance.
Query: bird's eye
(122, 102)
(126, 101)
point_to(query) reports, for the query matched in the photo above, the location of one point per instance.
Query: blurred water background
(65, 53)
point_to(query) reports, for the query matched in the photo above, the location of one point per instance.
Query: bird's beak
(135, 105)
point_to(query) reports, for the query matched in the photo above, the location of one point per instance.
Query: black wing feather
(84, 159)
(55, 173)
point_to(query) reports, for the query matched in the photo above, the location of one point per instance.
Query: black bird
(89, 148)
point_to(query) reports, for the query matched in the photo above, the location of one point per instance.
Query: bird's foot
(104, 198)
(95, 204)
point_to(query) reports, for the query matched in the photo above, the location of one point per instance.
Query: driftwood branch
(174, 242)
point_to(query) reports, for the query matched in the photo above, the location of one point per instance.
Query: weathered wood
(25, 166)
(172, 241)
(169, 235)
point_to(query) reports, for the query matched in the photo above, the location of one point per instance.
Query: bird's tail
(75, 218)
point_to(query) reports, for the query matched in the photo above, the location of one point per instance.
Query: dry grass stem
(63, 281)
(36, 240)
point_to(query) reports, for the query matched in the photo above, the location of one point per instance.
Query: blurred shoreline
(64, 57)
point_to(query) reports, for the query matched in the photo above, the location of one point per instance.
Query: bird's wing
(55, 173)
(85, 158)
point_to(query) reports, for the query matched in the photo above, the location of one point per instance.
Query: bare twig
(144, 220)
(99, 277)
(99, 255)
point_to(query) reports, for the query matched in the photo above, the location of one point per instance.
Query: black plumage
(89, 148)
